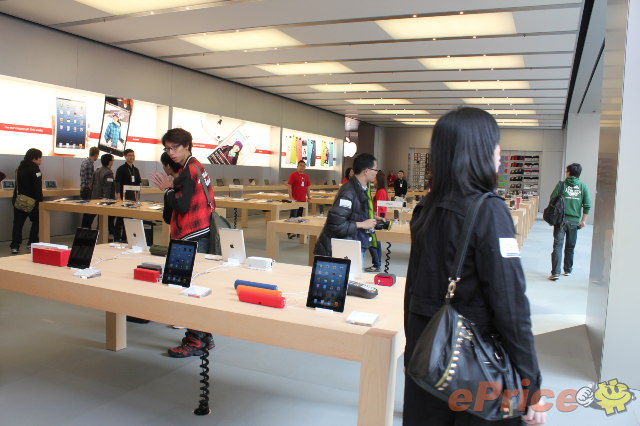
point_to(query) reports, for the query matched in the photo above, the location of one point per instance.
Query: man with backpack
(577, 205)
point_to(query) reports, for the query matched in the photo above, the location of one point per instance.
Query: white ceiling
(345, 31)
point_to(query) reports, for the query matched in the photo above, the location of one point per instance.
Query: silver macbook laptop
(135, 233)
(232, 244)
(348, 249)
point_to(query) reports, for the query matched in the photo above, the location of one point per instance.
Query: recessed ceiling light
(518, 123)
(123, 7)
(315, 68)
(487, 85)
(379, 101)
(348, 87)
(512, 111)
(450, 26)
(256, 39)
(506, 100)
(400, 111)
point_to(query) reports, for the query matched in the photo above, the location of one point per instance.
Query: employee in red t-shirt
(391, 178)
(299, 185)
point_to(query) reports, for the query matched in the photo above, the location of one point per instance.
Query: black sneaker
(566, 274)
(189, 347)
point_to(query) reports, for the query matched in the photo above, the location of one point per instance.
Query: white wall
(583, 137)
(396, 142)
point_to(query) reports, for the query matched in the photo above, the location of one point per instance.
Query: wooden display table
(46, 193)
(315, 200)
(313, 228)
(272, 208)
(296, 327)
(146, 211)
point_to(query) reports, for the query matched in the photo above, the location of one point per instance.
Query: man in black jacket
(126, 174)
(348, 218)
(400, 185)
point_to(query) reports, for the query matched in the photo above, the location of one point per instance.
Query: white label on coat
(109, 179)
(345, 203)
(509, 247)
(38, 174)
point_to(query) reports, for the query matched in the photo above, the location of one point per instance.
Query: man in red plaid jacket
(191, 216)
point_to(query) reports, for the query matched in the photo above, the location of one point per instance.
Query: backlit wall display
(66, 122)
(319, 152)
(224, 140)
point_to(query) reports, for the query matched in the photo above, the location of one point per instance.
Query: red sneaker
(189, 347)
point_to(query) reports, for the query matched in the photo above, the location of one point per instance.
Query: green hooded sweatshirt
(576, 199)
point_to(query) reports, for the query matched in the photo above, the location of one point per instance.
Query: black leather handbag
(451, 355)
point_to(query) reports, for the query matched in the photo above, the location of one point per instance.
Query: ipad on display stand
(135, 189)
(135, 234)
(178, 267)
(348, 249)
(84, 242)
(329, 282)
(8, 184)
(232, 244)
(50, 184)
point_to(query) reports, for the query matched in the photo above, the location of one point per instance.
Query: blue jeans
(376, 255)
(570, 230)
(203, 247)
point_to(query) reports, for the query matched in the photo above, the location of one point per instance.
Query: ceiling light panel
(487, 85)
(501, 101)
(473, 62)
(348, 88)
(511, 111)
(400, 111)
(123, 7)
(306, 69)
(242, 40)
(379, 101)
(450, 26)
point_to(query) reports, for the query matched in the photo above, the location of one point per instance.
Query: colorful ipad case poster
(312, 149)
(224, 140)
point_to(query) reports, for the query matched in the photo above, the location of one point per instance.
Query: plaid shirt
(112, 134)
(86, 173)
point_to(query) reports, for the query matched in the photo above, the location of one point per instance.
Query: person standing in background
(86, 180)
(381, 195)
(391, 178)
(126, 174)
(29, 183)
(577, 205)
(400, 185)
(103, 186)
(172, 169)
(299, 187)
(348, 174)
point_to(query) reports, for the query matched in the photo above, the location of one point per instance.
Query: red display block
(254, 297)
(50, 256)
(146, 275)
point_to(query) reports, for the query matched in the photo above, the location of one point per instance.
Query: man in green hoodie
(577, 205)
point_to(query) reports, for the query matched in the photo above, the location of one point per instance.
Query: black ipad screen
(178, 267)
(82, 251)
(328, 286)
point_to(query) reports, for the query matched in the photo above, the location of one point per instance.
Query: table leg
(312, 245)
(314, 209)
(377, 378)
(103, 226)
(273, 242)
(45, 225)
(166, 232)
(245, 218)
(116, 331)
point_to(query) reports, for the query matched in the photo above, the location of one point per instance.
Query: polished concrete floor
(54, 370)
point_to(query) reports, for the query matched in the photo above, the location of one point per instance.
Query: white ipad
(135, 233)
(348, 249)
(232, 244)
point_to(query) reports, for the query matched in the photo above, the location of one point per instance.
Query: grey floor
(54, 370)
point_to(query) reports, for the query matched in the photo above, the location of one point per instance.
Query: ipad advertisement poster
(318, 152)
(224, 140)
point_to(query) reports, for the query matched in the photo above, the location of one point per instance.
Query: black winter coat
(349, 206)
(492, 289)
(29, 182)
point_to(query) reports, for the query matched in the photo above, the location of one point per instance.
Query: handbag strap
(205, 188)
(463, 243)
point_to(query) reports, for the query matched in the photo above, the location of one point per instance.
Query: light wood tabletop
(296, 327)
(271, 208)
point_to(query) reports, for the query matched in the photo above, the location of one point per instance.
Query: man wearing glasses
(351, 215)
(191, 216)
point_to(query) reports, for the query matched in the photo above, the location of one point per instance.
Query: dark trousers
(119, 234)
(203, 247)
(296, 213)
(570, 230)
(376, 255)
(421, 408)
(19, 217)
(87, 219)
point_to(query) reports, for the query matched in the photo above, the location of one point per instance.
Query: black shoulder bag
(451, 355)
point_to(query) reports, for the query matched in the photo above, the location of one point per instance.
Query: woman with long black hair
(465, 157)
(29, 183)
